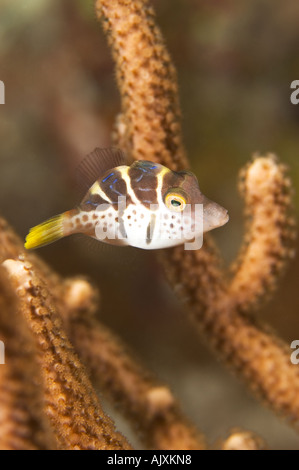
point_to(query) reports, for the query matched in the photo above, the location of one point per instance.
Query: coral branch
(217, 306)
(22, 421)
(71, 404)
(46, 398)
(250, 350)
(148, 404)
(149, 127)
(243, 440)
(270, 231)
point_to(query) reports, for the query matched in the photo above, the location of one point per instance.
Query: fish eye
(175, 202)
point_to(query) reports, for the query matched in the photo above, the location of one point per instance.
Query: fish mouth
(214, 215)
(225, 218)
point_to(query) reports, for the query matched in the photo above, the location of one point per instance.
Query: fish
(145, 205)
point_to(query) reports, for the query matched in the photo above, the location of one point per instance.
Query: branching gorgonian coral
(48, 398)
(65, 412)
(219, 306)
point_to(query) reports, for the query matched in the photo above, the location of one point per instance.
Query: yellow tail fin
(45, 233)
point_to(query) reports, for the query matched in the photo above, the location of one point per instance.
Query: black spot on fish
(150, 229)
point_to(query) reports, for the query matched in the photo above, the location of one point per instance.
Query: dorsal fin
(96, 163)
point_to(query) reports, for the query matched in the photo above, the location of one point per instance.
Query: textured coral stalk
(71, 404)
(249, 349)
(23, 425)
(148, 404)
(216, 306)
(270, 231)
(149, 126)
(243, 440)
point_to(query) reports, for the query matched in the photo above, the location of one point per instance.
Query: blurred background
(235, 61)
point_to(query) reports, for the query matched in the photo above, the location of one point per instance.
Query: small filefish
(144, 205)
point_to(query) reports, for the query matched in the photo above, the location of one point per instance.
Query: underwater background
(235, 62)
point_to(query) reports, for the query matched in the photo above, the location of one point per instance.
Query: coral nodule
(57, 353)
